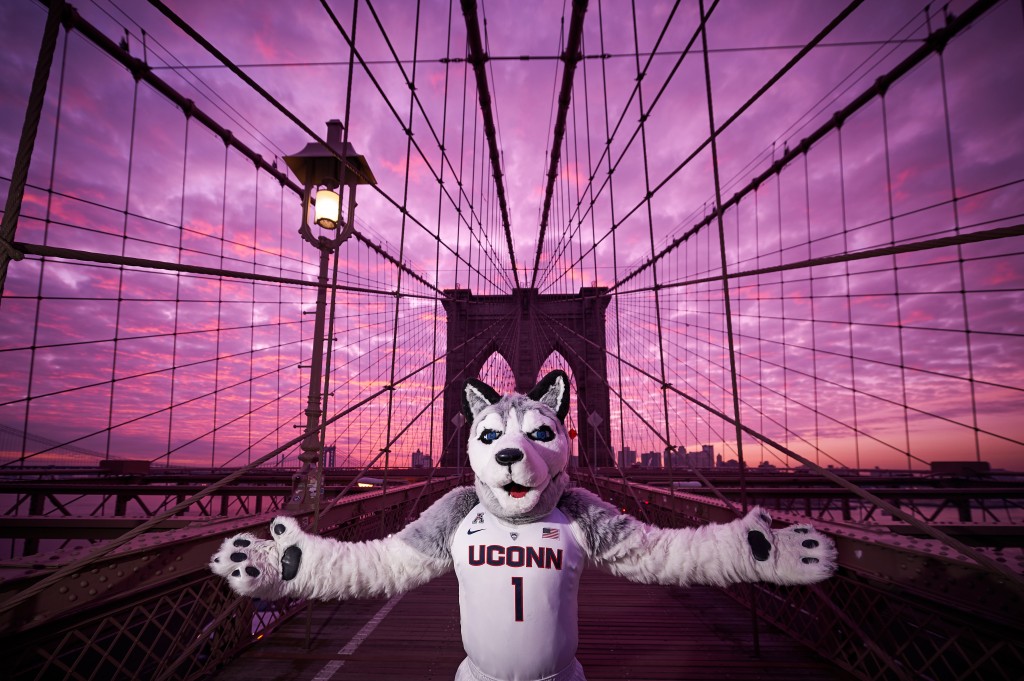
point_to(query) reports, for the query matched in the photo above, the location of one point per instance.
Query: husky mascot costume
(518, 541)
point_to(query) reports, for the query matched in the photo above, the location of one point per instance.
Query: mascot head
(518, 447)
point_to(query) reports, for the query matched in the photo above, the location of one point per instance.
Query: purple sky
(819, 350)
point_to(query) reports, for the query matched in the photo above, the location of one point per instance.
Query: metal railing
(898, 608)
(154, 610)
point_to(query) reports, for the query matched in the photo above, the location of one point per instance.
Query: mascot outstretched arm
(518, 541)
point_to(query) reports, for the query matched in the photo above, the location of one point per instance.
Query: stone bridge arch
(525, 328)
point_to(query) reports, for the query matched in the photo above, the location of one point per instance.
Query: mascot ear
(553, 390)
(476, 397)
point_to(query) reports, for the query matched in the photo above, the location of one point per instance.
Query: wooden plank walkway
(627, 631)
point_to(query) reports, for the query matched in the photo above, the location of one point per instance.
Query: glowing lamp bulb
(328, 209)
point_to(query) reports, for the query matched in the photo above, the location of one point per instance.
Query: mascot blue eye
(489, 436)
(542, 434)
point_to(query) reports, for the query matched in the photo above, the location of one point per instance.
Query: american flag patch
(549, 533)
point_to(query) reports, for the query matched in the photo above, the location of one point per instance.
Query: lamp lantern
(327, 208)
(326, 172)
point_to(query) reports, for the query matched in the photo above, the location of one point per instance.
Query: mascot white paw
(259, 567)
(797, 554)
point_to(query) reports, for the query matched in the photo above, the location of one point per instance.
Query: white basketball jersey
(518, 587)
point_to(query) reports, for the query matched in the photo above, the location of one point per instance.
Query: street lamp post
(327, 174)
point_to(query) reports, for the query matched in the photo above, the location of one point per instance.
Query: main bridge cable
(478, 58)
(147, 41)
(130, 261)
(104, 549)
(806, 49)
(935, 43)
(196, 36)
(570, 58)
(1014, 579)
(72, 20)
(26, 143)
(610, 133)
(408, 132)
(962, 238)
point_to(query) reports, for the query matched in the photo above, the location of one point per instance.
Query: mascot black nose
(507, 457)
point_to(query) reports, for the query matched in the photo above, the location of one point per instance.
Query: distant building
(330, 456)
(627, 457)
(650, 459)
(421, 460)
(700, 458)
(703, 457)
(731, 463)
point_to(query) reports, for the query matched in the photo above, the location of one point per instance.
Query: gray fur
(432, 532)
(603, 526)
(520, 404)
(475, 400)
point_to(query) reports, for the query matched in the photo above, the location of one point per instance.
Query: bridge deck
(627, 631)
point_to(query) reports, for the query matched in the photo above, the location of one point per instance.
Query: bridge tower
(525, 328)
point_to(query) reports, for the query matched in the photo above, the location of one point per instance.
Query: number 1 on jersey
(517, 583)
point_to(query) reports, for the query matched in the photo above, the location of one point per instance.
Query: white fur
(715, 554)
(541, 463)
(328, 569)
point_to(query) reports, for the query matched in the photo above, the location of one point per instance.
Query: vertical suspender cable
(401, 248)
(436, 458)
(46, 229)
(728, 304)
(120, 268)
(654, 271)
(724, 263)
(177, 297)
(959, 248)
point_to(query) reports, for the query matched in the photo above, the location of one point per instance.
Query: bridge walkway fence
(898, 608)
(152, 609)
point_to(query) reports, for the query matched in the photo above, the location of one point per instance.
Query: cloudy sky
(890, 360)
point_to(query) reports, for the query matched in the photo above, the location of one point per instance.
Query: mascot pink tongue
(518, 540)
(517, 491)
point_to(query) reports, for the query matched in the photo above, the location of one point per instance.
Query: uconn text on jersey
(516, 556)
